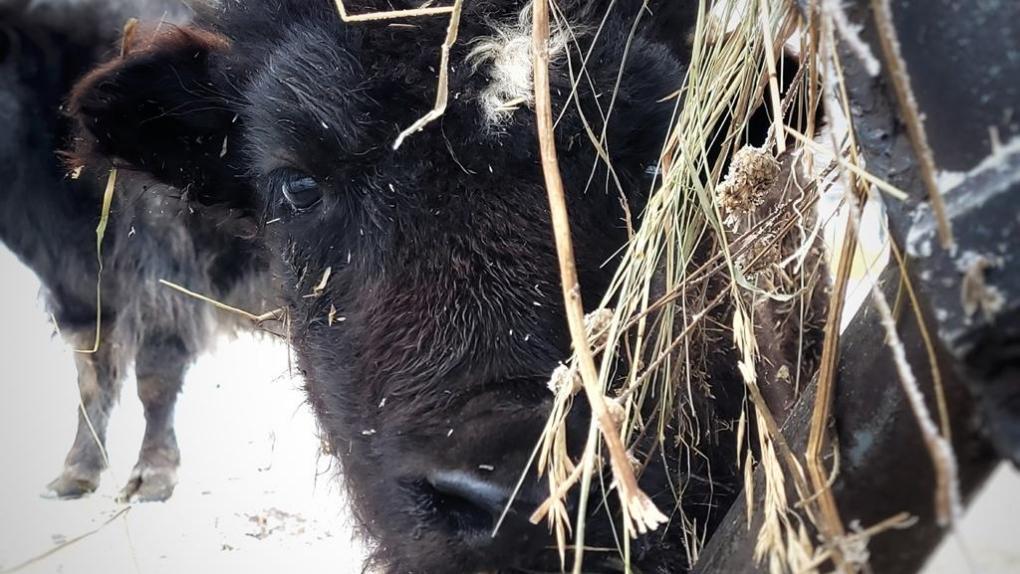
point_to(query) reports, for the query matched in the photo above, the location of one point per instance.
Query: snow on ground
(254, 496)
(987, 540)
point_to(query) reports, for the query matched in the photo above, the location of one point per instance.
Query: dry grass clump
(659, 300)
(752, 174)
(764, 270)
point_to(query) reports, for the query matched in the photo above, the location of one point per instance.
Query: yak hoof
(73, 483)
(149, 484)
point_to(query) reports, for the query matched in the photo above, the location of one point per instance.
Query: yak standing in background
(49, 220)
(422, 282)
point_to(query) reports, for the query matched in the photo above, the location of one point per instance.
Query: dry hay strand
(639, 514)
(392, 14)
(256, 320)
(443, 80)
(104, 221)
(67, 543)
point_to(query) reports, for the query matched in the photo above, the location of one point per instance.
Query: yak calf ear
(157, 108)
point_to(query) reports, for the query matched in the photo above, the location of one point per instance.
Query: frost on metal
(993, 176)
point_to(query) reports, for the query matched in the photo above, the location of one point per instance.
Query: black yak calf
(422, 282)
(49, 221)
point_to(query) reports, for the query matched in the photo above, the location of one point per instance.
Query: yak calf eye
(301, 191)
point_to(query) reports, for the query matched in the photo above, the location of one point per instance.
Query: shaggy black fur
(49, 221)
(427, 353)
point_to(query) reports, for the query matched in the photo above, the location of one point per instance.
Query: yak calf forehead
(328, 89)
(309, 105)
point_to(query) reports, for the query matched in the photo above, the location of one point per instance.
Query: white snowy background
(254, 495)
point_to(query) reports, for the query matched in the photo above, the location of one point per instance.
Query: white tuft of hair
(506, 57)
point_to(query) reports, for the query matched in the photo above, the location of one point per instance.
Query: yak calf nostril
(476, 491)
(472, 489)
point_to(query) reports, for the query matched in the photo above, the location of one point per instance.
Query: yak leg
(99, 377)
(160, 365)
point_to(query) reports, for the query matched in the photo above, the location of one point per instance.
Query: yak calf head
(422, 282)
